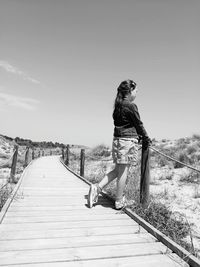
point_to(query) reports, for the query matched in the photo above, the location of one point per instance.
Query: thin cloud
(11, 69)
(19, 102)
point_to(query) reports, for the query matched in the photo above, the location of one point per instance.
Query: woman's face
(133, 94)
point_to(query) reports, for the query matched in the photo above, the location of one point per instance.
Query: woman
(128, 130)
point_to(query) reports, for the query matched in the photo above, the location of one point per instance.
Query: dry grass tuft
(5, 193)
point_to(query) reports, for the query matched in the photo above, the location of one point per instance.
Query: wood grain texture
(48, 223)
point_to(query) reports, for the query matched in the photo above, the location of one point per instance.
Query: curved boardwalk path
(49, 224)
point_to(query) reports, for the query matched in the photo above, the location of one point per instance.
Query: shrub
(162, 161)
(167, 175)
(196, 192)
(4, 156)
(170, 224)
(190, 177)
(195, 158)
(74, 156)
(100, 151)
(4, 194)
(196, 137)
(192, 149)
(181, 146)
(180, 142)
(182, 157)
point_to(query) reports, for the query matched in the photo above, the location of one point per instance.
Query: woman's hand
(146, 142)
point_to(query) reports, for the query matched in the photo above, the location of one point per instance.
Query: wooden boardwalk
(48, 223)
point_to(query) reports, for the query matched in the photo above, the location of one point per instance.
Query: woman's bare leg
(121, 180)
(109, 177)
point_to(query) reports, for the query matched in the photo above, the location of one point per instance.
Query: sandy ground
(179, 196)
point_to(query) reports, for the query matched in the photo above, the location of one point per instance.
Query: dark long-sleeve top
(127, 121)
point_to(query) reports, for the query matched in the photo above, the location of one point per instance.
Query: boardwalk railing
(145, 166)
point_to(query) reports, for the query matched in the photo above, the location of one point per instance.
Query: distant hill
(34, 144)
(27, 142)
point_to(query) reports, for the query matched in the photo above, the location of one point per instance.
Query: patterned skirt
(125, 151)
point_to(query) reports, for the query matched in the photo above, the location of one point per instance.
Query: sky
(62, 61)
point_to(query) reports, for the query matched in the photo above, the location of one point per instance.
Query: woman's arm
(138, 124)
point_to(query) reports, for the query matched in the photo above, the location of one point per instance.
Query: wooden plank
(65, 224)
(36, 219)
(72, 198)
(81, 253)
(53, 193)
(74, 188)
(49, 184)
(62, 233)
(169, 260)
(54, 201)
(65, 199)
(181, 252)
(82, 205)
(51, 189)
(43, 213)
(14, 208)
(69, 242)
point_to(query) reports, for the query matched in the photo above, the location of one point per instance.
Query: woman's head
(126, 90)
(126, 86)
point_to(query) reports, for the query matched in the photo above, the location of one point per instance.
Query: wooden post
(50, 152)
(63, 153)
(13, 166)
(26, 157)
(39, 154)
(67, 156)
(33, 154)
(82, 163)
(43, 153)
(145, 175)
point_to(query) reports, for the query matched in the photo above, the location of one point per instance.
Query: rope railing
(145, 166)
(175, 160)
(152, 148)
